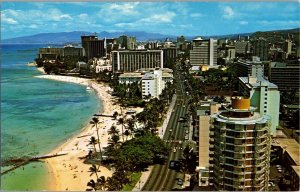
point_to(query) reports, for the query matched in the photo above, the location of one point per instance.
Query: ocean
(37, 115)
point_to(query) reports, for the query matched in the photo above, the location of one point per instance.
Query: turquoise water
(36, 114)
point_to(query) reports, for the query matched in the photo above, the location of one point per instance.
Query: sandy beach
(69, 172)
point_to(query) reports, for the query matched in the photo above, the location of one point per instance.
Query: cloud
(9, 20)
(159, 18)
(57, 15)
(228, 12)
(125, 24)
(112, 13)
(83, 16)
(243, 22)
(33, 26)
(196, 15)
(124, 8)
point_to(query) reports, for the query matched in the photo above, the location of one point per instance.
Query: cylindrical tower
(239, 148)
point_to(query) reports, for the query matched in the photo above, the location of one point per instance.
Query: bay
(37, 115)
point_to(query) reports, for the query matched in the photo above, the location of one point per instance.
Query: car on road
(186, 137)
(180, 182)
(174, 164)
(170, 130)
(187, 131)
(174, 150)
(181, 119)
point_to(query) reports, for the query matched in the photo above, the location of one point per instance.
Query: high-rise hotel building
(129, 61)
(204, 52)
(93, 47)
(239, 148)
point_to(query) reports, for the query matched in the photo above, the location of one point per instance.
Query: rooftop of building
(292, 106)
(254, 82)
(131, 75)
(248, 62)
(204, 124)
(148, 76)
(240, 112)
(290, 146)
(138, 51)
(255, 118)
(282, 65)
(166, 73)
(166, 70)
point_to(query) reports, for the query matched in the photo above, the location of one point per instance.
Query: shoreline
(68, 172)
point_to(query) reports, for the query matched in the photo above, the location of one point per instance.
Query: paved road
(162, 178)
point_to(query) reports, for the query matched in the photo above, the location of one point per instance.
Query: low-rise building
(50, 53)
(206, 108)
(290, 159)
(128, 78)
(136, 76)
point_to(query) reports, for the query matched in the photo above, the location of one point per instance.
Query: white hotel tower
(239, 148)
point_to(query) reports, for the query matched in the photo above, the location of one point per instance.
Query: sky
(171, 18)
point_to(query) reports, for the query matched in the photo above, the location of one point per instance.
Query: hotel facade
(129, 61)
(239, 148)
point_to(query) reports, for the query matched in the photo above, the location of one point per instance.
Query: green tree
(113, 130)
(95, 122)
(39, 62)
(93, 142)
(115, 115)
(94, 170)
(122, 122)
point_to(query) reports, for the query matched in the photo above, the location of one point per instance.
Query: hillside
(74, 37)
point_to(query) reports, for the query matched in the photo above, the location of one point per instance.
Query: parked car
(180, 182)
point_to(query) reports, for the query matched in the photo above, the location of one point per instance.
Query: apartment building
(239, 148)
(263, 95)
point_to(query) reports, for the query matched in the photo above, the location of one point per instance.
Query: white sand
(41, 69)
(69, 172)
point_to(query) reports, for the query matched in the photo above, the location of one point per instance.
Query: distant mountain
(74, 37)
(140, 35)
(48, 38)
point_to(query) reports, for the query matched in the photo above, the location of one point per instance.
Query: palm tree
(121, 121)
(101, 181)
(94, 170)
(91, 184)
(113, 130)
(95, 121)
(93, 142)
(127, 133)
(115, 115)
(134, 120)
(115, 141)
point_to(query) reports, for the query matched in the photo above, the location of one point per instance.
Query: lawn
(135, 178)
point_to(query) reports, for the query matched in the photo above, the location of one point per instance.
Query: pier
(18, 162)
